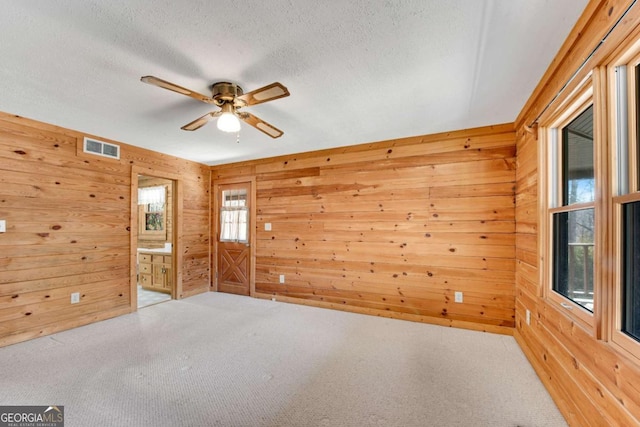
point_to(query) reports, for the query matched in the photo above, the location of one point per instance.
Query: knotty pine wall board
(592, 382)
(392, 228)
(68, 228)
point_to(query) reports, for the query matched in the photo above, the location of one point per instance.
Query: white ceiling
(358, 71)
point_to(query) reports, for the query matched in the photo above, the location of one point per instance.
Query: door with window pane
(233, 238)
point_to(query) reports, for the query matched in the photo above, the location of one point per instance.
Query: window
(577, 159)
(630, 307)
(569, 197)
(573, 256)
(234, 216)
(589, 191)
(625, 203)
(573, 231)
(636, 146)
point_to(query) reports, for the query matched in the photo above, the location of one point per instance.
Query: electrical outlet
(273, 298)
(3, 225)
(528, 317)
(282, 278)
(267, 226)
(458, 297)
(75, 297)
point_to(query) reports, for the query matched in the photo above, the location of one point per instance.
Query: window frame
(550, 193)
(624, 136)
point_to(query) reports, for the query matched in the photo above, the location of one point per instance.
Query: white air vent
(101, 148)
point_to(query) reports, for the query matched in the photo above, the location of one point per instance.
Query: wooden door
(233, 238)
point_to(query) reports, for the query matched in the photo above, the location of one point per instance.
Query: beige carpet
(224, 360)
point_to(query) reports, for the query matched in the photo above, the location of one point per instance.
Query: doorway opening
(155, 272)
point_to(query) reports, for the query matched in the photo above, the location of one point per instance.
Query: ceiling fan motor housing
(225, 92)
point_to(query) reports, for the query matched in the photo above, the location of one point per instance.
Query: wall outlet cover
(3, 225)
(282, 278)
(458, 296)
(75, 297)
(267, 226)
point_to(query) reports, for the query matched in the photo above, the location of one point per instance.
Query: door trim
(215, 229)
(176, 238)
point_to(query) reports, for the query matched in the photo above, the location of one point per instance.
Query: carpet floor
(224, 360)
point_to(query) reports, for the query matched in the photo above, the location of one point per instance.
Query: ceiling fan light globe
(228, 122)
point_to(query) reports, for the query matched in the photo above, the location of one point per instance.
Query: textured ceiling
(358, 71)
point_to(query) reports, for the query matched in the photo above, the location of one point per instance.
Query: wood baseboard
(503, 330)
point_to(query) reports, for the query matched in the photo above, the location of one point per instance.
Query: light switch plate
(75, 297)
(282, 278)
(267, 226)
(3, 225)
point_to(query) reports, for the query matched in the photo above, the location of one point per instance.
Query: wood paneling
(68, 228)
(592, 383)
(392, 228)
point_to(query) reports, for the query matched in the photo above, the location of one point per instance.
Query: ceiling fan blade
(201, 121)
(268, 93)
(261, 125)
(175, 88)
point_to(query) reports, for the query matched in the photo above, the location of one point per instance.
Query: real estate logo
(32, 416)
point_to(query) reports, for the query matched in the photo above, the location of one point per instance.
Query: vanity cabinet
(155, 271)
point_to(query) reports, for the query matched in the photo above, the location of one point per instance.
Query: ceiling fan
(230, 98)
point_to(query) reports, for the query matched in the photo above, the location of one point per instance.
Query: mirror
(154, 209)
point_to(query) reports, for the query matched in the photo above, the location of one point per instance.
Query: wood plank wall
(68, 228)
(392, 228)
(592, 383)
